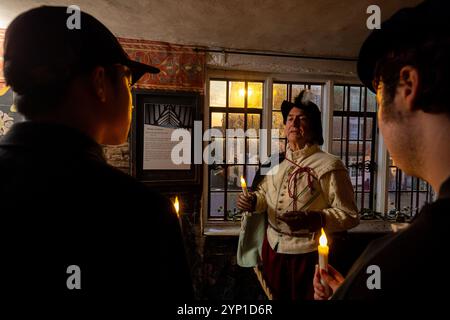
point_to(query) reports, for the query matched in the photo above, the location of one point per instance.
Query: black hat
(40, 49)
(312, 112)
(405, 29)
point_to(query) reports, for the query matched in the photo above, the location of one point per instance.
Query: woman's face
(297, 129)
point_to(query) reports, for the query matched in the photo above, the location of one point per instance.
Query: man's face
(402, 137)
(297, 129)
(120, 107)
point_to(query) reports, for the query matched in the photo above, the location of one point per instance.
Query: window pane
(317, 90)
(279, 94)
(218, 121)
(367, 150)
(392, 179)
(355, 99)
(237, 94)
(405, 202)
(252, 151)
(423, 186)
(217, 93)
(251, 171)
(366, 201)
(354, 128)
(337, 127)
(255, 93)
(336, 148)
(391, 201)
(234, 177)
(253, 122)
(235, 150)
(277, 123)
(215, 151)
(371, 101)
(404, 192)
(236, 121)
(232, 211)
(369, 128)
(296, 88)
(338, 98)
(217, 204)
(217, 178)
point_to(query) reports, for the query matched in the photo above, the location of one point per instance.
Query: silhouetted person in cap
(71, 225)
(407, 64)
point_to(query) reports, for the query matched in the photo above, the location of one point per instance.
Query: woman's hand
(333, 278)
(245, 203)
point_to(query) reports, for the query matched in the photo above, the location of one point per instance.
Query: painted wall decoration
(8, 112)
(182, 68)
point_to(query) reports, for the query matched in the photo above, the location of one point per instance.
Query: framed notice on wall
(156, 116)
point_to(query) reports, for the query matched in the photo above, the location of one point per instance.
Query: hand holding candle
(323, 256)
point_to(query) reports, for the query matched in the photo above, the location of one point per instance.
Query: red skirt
(289, 276)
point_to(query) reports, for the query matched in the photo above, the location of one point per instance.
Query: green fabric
(251, 236)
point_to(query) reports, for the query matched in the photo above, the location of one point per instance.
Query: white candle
(244, 186)
(323, 256)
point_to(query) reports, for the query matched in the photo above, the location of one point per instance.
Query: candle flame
(243, 183)
(323, 239)
(176, 204)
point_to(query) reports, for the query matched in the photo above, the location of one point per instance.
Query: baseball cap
(407, 28)
(40, 49)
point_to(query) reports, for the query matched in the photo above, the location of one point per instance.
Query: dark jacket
(412, 262)
(62, 205)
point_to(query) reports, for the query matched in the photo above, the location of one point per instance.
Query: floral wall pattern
(8, 112)
(182, 68)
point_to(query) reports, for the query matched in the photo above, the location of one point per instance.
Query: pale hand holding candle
(323, 257)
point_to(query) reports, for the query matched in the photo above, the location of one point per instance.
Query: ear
(408, 86)
(98, 77)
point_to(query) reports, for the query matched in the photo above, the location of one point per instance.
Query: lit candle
(176, 204)
(323, 256)
(244, 186)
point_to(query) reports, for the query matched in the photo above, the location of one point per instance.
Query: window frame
(371, 167)
(231, 110)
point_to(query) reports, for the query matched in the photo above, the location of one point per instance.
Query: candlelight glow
(323, 239)
(243, 183)
(176, 204)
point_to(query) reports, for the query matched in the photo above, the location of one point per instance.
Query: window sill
(377, 226)
(222, 228)
(365, 226)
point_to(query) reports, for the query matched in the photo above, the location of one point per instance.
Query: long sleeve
(260, 192)
(342, 213)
